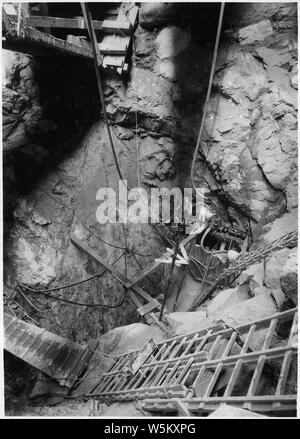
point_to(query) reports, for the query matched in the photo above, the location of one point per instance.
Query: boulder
(289, 276)
(171, 41)
(155, 15)
(228, 411)
(254, 309)
(225, 299)
(130, 337)
(282, 225)
(274, 264)
(183, 322)
(276, 293)
(255, 32)
(167, 69)
(253, 276)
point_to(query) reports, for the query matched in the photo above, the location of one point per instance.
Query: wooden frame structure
(31, 34)
(196, 372)
(146, 304)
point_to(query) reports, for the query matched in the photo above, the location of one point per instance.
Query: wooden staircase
(36, 34)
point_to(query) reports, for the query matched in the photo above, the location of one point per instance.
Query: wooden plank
(213, 380)
(113, 61)
(149, 378)
(233, 378)
(199, 357)
(181, 407)
(230, 344)
(248, 339)
(108, 26)
(184, 371)
(168, 350)
(177, 348)
(294, 331)
(203, 341)
(270, 334)
(204, 376)
(82, 246)
(142, 356)
(160, 374)
(114, 45)
(145, 309)
(43, 9)
(149, 269)
(119, 276)
(280, 388)
(132, 15)
(256, 376)
(29, 36)
(171, 373)
(133, 381)
(79, 41)
(190, 344)
(261, 403)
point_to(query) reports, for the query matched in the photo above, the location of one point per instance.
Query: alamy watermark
(157, 205)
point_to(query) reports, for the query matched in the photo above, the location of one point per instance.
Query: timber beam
(135, 292)
(31, 40)
(109, 26)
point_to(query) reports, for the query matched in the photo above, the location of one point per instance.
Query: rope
(14, 314)
(20, 308)
(48, 291)
(137, 145)
(27, 300)
(19, 18)
(74, 284)
(73, 302)
(211, 77)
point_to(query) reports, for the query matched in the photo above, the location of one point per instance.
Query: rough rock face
(37, 96)
(253, 150)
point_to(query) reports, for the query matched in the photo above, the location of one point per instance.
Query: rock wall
(58, 154)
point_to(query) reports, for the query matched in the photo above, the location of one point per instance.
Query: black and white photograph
(149, 213)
